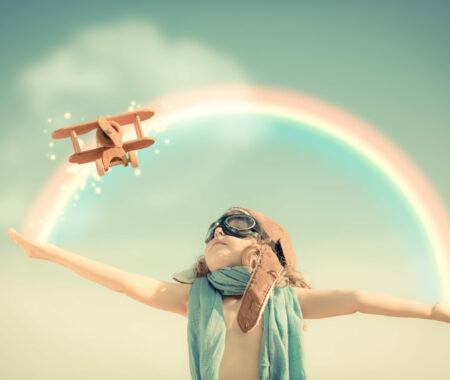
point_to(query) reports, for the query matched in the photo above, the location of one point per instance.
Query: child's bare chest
(241, 355)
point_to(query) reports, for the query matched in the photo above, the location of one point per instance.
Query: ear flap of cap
(185, 277)
(258, 289)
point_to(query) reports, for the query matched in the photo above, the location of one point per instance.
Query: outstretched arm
(159, 294)
(329, 303)
(384, 304)
(318, 303)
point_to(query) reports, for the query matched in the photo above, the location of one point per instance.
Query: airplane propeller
(112, 131)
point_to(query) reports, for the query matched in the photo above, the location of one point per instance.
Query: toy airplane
(110, 149)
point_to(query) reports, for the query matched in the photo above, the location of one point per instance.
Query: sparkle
(133, 103)
(156, 151)
(98, 190)
(96, 176)
(167, 141)
(44, 130)
(137, 172)
(167, 105)
(62, 187)
(67, 115)
(52, 157)
(130, 109)
(49, 120)
(51, 144)
(76, 197)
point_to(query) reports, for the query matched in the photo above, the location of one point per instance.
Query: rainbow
(333, 123)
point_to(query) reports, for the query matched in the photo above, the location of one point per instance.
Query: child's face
(226, 250)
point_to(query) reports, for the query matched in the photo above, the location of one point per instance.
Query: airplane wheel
(132, 156)
(100, 167)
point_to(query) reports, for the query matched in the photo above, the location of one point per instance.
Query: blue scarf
(281, 347)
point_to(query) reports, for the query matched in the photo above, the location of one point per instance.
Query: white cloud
(100, 70)
(128, 59)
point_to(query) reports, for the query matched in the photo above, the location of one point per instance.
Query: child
(244, 301)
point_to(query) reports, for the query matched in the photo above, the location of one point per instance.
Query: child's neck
(236, 297)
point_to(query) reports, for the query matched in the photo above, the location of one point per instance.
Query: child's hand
(31, 249)
(441, 312)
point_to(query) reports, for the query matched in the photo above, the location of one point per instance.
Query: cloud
(114, 63)
(100, 69)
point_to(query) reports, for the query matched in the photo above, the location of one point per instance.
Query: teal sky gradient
(385, 62)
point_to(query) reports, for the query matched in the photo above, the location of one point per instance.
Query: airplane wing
(94, 154)
(122, 119)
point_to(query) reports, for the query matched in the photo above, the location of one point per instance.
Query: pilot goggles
(239, 225)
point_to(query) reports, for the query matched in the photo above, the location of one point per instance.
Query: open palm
(31, 249)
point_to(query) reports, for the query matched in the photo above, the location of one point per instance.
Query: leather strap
(258, 289)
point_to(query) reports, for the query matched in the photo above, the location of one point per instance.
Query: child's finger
(15, 236)
(12, 233)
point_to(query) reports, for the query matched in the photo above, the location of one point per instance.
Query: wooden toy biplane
(110, 149)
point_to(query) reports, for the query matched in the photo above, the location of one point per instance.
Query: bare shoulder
(178, 294)
(167, 296)
(300, 291)
(323, 303)
(307, 294)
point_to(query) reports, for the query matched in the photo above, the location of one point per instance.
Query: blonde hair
(289, 276)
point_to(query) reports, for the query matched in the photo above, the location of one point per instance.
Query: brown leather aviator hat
(276, 252)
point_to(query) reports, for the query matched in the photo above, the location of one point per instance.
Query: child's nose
(216, 232)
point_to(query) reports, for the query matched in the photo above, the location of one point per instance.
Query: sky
(386, 63)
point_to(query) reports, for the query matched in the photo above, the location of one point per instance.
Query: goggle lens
(234, 225)
(240, 222)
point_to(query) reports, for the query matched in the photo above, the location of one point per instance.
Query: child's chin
(213, 268)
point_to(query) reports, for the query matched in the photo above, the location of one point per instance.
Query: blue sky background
(385, 62)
